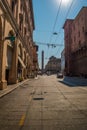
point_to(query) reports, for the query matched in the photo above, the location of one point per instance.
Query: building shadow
(74, 81)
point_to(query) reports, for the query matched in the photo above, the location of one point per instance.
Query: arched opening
(8, 62)
(9, 55)
(20, 56)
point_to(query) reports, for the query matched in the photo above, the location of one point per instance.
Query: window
(79, 33)
(74, 38)
(25, 30)
(79, 44)
(82, 18)
(13, 6)
(74, 26)
(82, 29)
(20, 25)
(21, 6)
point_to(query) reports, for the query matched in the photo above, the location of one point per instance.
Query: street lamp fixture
(55, 33)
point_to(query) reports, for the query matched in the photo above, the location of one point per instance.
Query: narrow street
(44, 104)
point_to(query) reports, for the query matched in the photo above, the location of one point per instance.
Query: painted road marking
(21, 123)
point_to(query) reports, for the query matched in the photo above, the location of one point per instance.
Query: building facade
(67, 39)
(76, 44)
(53, 66)
(18, 56)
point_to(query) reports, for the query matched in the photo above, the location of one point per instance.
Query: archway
(20, 57)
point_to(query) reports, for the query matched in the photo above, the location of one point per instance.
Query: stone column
(13, 71)
(3, 82)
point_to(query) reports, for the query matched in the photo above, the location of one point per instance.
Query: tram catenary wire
(48, 44)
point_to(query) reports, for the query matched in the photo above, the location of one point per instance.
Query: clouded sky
(49, 16)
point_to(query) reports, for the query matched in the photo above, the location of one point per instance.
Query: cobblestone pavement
(44, 104)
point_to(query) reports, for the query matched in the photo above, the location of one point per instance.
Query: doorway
(7, 75)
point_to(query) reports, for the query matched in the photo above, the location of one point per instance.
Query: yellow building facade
(17, 49)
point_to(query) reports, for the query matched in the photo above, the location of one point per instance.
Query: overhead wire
(64, 22)
(58, 49)
(54, 24)
(48, 44)
(43, 31)
(65, 18)
(55, 21)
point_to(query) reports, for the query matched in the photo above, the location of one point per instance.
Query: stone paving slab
(62, 107)
(10, 88)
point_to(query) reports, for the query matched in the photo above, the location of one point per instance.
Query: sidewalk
(74, 81)
(11, 88)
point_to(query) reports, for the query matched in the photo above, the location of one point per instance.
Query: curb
(7, 91)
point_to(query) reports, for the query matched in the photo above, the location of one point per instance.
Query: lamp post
(55, 33)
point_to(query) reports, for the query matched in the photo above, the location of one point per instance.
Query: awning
(21, 62)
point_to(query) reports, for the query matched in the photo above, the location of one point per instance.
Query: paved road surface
(44, 104)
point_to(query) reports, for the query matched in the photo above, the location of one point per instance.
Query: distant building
(76, 44)
(63, 61)
(53, 66)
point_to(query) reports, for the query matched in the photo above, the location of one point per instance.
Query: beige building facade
(53, 66)
(17, 49)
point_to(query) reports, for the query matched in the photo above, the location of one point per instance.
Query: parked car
(59, 75)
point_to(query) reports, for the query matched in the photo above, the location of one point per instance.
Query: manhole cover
(38, 98)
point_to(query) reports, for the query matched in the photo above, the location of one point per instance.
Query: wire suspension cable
(65, 18)
(63, 24)
(55, 21)
(48, 44)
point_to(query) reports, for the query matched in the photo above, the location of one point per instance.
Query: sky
(49, 17)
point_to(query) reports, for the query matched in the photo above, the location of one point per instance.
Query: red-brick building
(75, 32)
